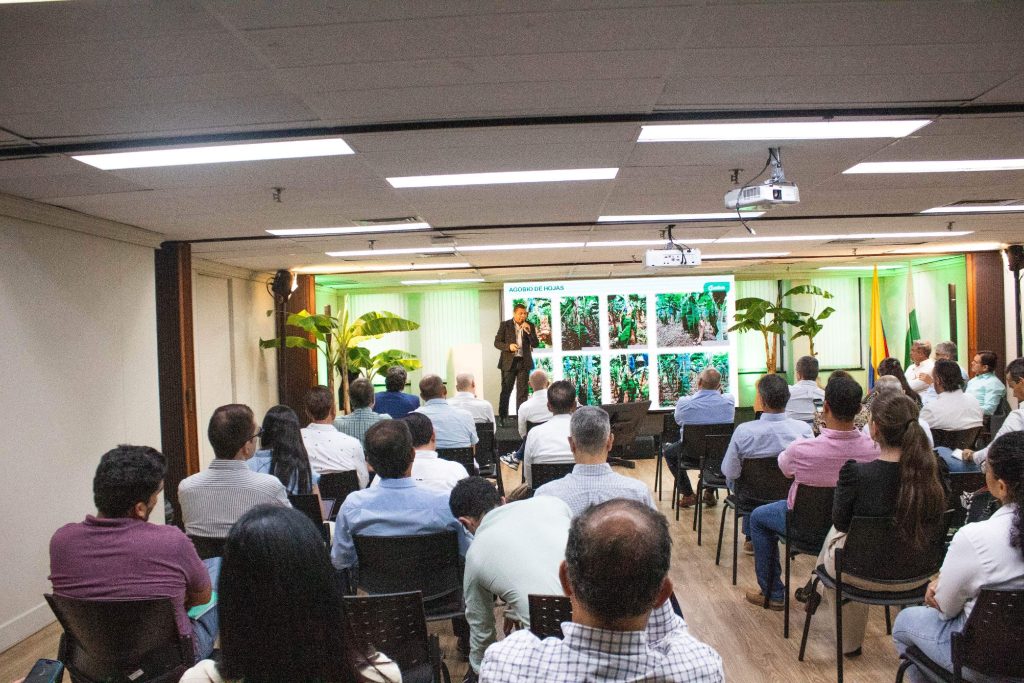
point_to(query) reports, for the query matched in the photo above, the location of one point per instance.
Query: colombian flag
(877, 346)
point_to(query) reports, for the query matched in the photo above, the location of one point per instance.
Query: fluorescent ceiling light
(657, 218)
(442, 282)
(938, 166)
(504, 177)
(185, 156)
(854, 236)
(392, 252)
(798, 130)
(512, 247)
(871, 267)
(350, 230)
(341, 269)
(949, 248)
(743, 257)
(977, 208)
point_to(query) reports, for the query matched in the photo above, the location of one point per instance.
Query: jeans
(673, 456)
(205, 627)
(767, 524)
(925, 628)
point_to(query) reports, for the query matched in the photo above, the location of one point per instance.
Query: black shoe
(812, 602)
(852, 653)
(804, 591)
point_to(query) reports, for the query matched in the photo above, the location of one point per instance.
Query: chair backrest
(392, 623)
(955, 438)
(337, 486)
(208, 546)
(993, 637)
(121, 640)
(876, 550)
(487, 447)
(715, 446)
(669, 428)
(463, 456)
(625, 419)
(547, 612)
(695, 437)
(761, 481)
(543, 472)
(531, 425)
(309, 505)
(811, 516)
(428, 563)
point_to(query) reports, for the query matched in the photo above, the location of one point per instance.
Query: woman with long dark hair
(903, 483)
(980, 554)
(282, 452)
(891, 366)
(281, 609)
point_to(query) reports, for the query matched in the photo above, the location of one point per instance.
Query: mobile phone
(45, 671)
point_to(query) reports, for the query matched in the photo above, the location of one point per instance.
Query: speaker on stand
(1015, 262)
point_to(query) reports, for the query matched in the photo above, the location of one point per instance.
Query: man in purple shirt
(815, 462)
(118, 555)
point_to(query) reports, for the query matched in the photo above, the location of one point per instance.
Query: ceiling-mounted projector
(672, 258)
(773, 192)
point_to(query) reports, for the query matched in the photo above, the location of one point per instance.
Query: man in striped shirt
(212, 500)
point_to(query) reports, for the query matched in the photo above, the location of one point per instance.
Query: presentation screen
(631, 339)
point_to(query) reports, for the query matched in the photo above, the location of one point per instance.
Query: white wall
(229, 313)
(78, 350)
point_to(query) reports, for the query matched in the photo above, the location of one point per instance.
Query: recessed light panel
(443, 282)
(977, 208)
(350, 230)
(798, 130)
(185, 156)
(964, 166)
(504, 177)
(658, 218)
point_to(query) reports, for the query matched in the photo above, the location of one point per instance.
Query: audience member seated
(805, 392)
(766, 436)
(283, 454)
(118, 555)
(549, 442)
(213, 500)
(592, 480)
(903, 483)
(465, 398)
(952, 409)
(815, 462)
(1014, 422)
(708, 405)
(887, 385)
(453, 427)
(616, 576)
(943, 351)
(398, 506)
(517, 550)
(329, 450)
(982, 553)
(921, 368)
(281, 610)
(394, 401)
(362, 417)
(985, 387)
(427, 469)
(890, 367)
(533, 409)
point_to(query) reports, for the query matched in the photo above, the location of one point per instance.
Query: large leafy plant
(339, 338)
(769, 318)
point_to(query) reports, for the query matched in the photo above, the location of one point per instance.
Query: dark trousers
(674, 456)
(518, 375)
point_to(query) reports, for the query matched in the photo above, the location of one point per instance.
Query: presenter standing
(516, 339)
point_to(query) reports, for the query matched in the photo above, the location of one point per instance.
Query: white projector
(762, 196)
(669, 258)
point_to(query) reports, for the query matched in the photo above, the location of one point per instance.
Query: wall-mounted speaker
(1015, 257)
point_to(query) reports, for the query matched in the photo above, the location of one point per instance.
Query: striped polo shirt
(211, 501)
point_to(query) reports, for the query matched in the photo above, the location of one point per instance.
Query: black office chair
(875, 552)
(669, 433)
(121, 641)
(543, 472)
(208, 546)
(487, 455)
(531, 425)
(807, 525)
(761, 481)
(547, 612)
(336, 486)
(956, 438)
(463, 456)
(396, 625)
(694, 446)
(309, 505)
(990, 643)
(710, 477)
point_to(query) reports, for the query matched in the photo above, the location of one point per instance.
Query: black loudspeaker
(281, 285)
(1015, 257)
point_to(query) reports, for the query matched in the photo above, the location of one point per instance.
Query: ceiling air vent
(852, 240)
(389, 221)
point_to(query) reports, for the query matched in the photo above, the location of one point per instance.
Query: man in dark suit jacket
(516, 339)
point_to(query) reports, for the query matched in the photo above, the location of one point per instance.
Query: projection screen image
(635, 339)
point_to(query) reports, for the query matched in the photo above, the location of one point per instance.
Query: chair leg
(785, 599)
(904, 665)
(839, 631)
(698, 516)
(888, 621)
(807, 625)
(721, 532)
(735, 544)
(675, 493)
(657, 474)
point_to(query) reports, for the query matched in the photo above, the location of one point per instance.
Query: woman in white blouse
(982, 553)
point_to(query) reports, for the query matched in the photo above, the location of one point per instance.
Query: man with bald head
(535, 410)
(615, 573)
(707, 405)
(465, 397)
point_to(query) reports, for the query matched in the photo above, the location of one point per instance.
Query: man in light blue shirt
(985, 386)
(453, 426)
(707, 406)
(398, 507)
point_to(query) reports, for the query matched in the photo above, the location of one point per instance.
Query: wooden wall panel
(986, 320)
(297, 372)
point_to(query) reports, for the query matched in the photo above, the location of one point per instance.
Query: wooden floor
(748, 638)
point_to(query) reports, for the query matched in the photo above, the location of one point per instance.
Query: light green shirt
(988, 389)
(516, 551)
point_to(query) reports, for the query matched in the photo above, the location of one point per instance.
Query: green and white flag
(913, 331)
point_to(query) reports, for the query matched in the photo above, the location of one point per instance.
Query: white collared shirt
(534, 409)
(925, 367)
(547, 443)
(801, 400)
(953, 410)
(481, 410)
(331, 451)
(433, 472)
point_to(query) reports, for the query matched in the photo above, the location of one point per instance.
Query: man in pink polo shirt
(815, 462)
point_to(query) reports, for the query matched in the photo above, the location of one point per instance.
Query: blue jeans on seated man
(205, 627)
(767, 525)
(673, 455)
